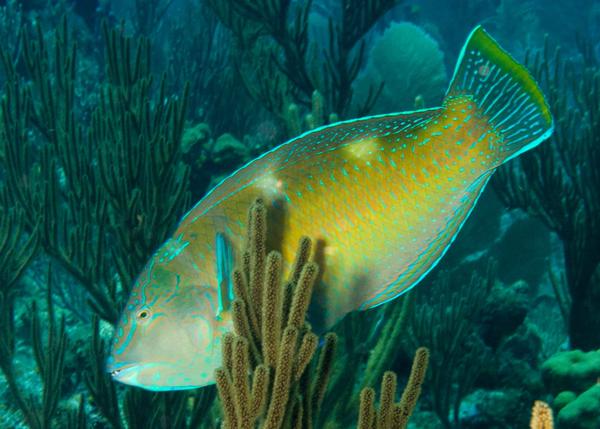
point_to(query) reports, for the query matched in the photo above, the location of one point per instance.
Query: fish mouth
(120, 371)
(136, 374)
(131, 373)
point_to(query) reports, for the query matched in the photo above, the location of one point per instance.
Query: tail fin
(505, 93)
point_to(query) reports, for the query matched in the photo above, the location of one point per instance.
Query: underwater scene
(300, 214)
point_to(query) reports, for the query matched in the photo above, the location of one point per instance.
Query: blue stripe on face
(127, 340)
(175, 292)
(155, 315)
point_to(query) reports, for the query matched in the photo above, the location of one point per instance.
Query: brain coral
(410, 63)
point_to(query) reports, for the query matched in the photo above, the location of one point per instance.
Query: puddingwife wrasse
(384, 196)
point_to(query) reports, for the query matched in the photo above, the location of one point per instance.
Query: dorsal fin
(307, 148)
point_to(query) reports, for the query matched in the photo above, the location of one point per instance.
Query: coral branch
(277, 356)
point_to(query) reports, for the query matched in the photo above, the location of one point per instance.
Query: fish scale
(383, 197)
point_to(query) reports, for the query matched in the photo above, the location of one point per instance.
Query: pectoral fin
(224, 268)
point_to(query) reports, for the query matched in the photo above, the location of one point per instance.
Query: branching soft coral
(267, 377)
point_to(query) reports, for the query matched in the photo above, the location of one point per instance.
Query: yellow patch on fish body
(382, 196)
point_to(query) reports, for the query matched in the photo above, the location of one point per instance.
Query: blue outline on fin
(224, 261)
(292, 140)
(461, 56)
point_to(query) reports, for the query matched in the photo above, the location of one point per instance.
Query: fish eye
(143, 314)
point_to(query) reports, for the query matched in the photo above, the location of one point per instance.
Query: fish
(382, 196)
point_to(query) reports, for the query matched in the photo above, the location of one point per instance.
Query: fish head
(168, 336)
